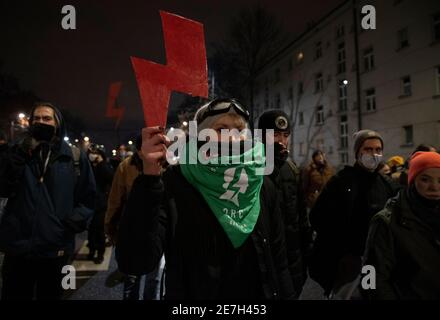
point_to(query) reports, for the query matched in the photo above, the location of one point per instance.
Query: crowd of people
(206, 230)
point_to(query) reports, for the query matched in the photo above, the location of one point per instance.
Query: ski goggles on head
(219, 106)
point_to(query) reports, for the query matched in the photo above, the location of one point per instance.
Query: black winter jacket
(405, 252)
(169, 215)
(286, 177)
(341, 218)
(42, 216)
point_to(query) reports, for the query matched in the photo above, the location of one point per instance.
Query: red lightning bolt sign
(112, 111)
(185, 72)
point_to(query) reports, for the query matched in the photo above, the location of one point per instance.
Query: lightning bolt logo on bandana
(242, 185)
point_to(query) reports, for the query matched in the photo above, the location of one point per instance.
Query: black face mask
(280, 152)
(42, 132)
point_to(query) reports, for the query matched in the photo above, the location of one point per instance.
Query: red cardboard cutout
(185, 71)
(112, 111)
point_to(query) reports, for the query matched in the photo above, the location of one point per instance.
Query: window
(301, 118)
(370, 96)
(437, 77)
(290, 65)
(406, 86)
(344, 157)
(343, 132)
(300, 88)
(436, 26)
(319, 115)
(342, 95)
(318, 50)
(278, 100)
(277, 75)
(408, 135)
(402, 38)
(319, 82)
(340, 31)
(368, 59)
(290, 93)
(341, 57)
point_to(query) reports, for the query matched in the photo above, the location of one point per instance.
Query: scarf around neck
(232, 191)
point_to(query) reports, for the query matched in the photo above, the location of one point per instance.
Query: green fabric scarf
(232, 190)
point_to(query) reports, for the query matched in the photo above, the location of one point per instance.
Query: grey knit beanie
(360, 136)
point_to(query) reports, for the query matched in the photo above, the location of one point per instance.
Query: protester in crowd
(403, 177)
(315, 176)
(219, 225)
(342, 213)
(286, 177)
(403, 243)
(103, 175)
(50, 189)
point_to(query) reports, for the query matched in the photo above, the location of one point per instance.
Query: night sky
(73, 68)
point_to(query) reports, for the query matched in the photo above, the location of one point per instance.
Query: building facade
(338, 77)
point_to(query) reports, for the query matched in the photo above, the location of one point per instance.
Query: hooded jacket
(43, 215)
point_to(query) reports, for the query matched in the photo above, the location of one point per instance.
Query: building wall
(393, 110)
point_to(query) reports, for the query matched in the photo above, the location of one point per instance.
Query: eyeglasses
(219, 106)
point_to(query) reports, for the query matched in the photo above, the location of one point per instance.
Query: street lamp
(76, 140)
(130, 142)
(21, 116)
(86, 139)
(66, 139)
(185, 123)
(345, 82)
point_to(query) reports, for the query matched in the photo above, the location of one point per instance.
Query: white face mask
(93, 157)
(369, 161)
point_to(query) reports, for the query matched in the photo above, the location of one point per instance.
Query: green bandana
(232, 190)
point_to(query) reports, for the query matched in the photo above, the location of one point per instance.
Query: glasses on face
(220, 106)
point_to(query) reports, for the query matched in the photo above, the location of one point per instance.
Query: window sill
(407, 145)
(404, 96)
